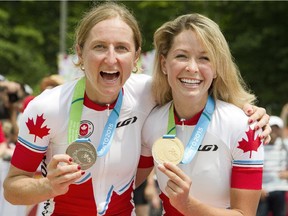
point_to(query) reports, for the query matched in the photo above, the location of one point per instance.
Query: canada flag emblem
(37, 128)
(252, 144)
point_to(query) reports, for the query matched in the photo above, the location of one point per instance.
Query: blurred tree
(256, 31)
(25, 44)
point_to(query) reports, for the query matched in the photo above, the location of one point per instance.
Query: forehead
(187, 39)
(111, 29)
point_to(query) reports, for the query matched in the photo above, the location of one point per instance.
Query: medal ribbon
(76, 113)
(198, 132)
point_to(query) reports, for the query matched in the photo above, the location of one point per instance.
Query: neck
(100, 95)
(101, 100)
(188, 109)
(104, 102)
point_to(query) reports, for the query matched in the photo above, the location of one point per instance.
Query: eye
(205, 58)
(122, 48)
(99, 47)
(181, 56)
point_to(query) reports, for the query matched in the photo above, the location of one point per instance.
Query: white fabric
(210, 170)
(114, 172)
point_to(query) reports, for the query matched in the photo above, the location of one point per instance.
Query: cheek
(171, 78)
(174, 69)
(209, 79)
(208, 72)
(128, 64)
(90, 77)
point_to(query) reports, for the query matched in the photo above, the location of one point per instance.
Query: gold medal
(83, 153)
(168, 150)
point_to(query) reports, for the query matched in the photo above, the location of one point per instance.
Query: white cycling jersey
(230, 156)
(107, 187)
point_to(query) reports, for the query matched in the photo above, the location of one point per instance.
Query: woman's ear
(79, 52)
(137, 56)
(163, 64)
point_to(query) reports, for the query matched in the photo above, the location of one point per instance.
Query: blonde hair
(102, 12)
(227, 86)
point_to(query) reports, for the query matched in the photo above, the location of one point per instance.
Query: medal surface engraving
(83, 153)
(168, 150)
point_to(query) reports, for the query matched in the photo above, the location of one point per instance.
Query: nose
(192, 66)
(111, 56)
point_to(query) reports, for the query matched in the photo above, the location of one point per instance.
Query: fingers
(264, 124)
(61, 172)
(255, 113)
(263, 121)
(62, 165)
(248, 109)
(67, 178)
(178, 186)
(265, 135)
(172, 171)
(259, 114)
(177, 177)
(56, 159)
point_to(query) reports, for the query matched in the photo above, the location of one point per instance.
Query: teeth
(190, 81)
(110, 72)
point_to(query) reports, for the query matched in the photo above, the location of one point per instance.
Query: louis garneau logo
(126, 122)
(208, 148)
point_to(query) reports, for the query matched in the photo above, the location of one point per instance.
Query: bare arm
(142, 174)
(2, 148)
(20, 188)
(5, 151)
(243, 202)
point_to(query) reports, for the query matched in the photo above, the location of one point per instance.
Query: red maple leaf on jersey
(37, 128)
(250, 145)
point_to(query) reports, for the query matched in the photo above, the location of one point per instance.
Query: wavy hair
(228, 86)
(104, 11)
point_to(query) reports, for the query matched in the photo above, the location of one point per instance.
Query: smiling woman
(103, 112)
(193, 62)
(100, 112)
(107, 59)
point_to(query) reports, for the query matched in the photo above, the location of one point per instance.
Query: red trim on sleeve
(146, 162)
(247, 178)
(2, 135)
(25, 159)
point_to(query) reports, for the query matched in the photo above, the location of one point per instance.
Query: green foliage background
(257, 32)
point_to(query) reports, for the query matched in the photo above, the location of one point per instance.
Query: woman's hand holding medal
(66, 169)
(61, 172)
(178, 186)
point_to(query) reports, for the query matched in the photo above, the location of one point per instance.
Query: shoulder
(230, 113)
(140, 81)
(229, 120)
(52, 100)
(138, 91)
(160, 111)
(157, 119)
